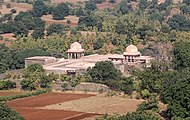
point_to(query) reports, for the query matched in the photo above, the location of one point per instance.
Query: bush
(60, 11)
(7, 114)
(112, 1)
(68, 22)
(8, 5)
(145, 93)
(55, 28)
(104, 70)
(98, 44)
(7, 84)
(28, 85)
(13, 11)
(64, 86)
(150, 104)
(45, 81)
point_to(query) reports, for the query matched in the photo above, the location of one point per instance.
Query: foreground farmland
(29, 107)
(70, 106)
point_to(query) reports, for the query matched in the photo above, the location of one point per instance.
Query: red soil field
(9, 93)
(28, 107)
(42, 114)
(46, 99)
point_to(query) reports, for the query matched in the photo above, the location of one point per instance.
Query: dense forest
(161, 30)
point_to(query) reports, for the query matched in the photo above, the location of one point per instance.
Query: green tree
(45, 81)
(90, 5)
(31, 69)
(143, 4)
(150, 104)
(6, 113)
(60, 11)
(152, 77)
(39, 8)
(186, 2)
(20, 56)
(7, 84)
(55, 28)
(104, 70)
(79, 12)
(8, 5)
(112, 1)
(176, 93)
(89, 22)
(98, 44)
(20, 29)
(179, 22)
(185, 9)
(27, 84)
(38, 33)
(181, 53)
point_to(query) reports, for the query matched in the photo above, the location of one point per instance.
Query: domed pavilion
(76, 51)
(131, 53)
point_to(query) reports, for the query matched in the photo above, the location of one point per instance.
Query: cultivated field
(29, 107)
(99, 105)
(46, 99)
(39, 114)
(70, 106)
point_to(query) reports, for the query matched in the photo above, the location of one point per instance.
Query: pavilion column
(77, 55)
(74, 55)
(71, 55)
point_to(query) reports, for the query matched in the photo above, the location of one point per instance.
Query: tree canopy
(60, 11)
(104, 70)
(6, 113)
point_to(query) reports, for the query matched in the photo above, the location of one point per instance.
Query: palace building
(78, 63)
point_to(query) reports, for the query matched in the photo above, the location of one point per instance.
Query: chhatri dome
(76, 47)
(131, 50)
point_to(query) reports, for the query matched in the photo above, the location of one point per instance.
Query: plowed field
(29, 107)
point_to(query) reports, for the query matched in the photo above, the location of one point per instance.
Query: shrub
(64, 86)
(7, 84)
(13, 11)
(28, 84)
(68, 22)
(145, 93)
(45, 82)
(64, 77)
(8, 5)
(6, 113)
(112, 1)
